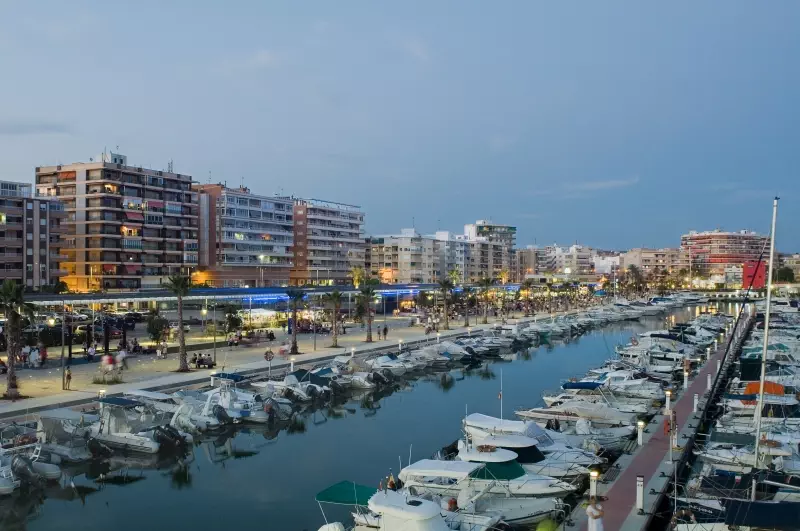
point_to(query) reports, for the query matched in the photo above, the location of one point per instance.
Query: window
(42, 251)
(30, 205)
(30, 237)
(30, 251)
(43, 222)
(30, 268)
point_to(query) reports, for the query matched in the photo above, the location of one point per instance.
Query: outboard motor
(166, 438)
(388, 374)
(175, 433)
(98, 449)
(23, 469)
(336, 387)
(221, 415)
(379, 378)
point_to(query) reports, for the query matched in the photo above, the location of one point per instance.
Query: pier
(634, 492)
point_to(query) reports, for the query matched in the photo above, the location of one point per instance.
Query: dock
(652, 464)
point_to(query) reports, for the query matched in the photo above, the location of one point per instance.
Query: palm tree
(13, 305)
(365, 299)
(527, 285)
(357, 274)
(635, 277)
(504, 276)
(334, 299)
(485, 284)
(466, 295)
(455, 276)
(296, 296)
(180, 285)
(446, 287)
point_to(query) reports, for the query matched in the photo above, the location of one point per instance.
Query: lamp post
(593, 475)
(668, 394)
(204, 313)
(640, 432)
(215, 330)
(261, 269)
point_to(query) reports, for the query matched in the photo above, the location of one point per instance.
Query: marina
(211, 443)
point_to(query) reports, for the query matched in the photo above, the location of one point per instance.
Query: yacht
(598, 414)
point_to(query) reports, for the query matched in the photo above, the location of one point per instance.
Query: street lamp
(204, 312)
(261, 269)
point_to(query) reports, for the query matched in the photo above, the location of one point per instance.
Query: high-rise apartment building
(128, 227)
(328, 242)
(711, 252)
(453, 255)
(245, 239)
(405, 258)
(493, 232)
(30, 231)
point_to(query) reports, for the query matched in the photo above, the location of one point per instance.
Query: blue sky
(614, 124)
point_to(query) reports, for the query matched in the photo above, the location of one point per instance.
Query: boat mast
(766, 341)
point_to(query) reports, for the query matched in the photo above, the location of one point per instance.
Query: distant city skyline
(613, 125)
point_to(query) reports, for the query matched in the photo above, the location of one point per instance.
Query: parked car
(173, 327)
(136, 316)
(3, 367)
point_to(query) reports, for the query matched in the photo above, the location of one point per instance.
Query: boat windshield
(527, 454)
(499, 471)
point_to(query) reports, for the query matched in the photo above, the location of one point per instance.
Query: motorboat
(598, 414)
(389, 363)
(622, 382)
(500, 478)
(56, 432)
(184, 417)
(597, 395)
(236, 404)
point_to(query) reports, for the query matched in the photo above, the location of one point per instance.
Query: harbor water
(267, 478)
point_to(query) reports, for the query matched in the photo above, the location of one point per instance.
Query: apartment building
(792, 261)
(488, 259)
(405, 258)
(128, 227)
(30, 231)
(493, 232)
(711, 252)
(528, 262)
(652, 261)
(453, 253)
(245, 239)
(328, 242)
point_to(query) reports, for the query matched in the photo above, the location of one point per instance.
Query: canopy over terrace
(201, 294)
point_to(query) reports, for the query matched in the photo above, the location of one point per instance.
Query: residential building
(245, 239)
(651, 261)
(328, 242)
(405, 258)
(453, 254)
(485, 258)
(755, 273)
(30, 231)
(604, 264)
(501, 239)
(493, 232)
(792, 261)
(573, 260)
(527, 262)
(128, 227)
(710, 252)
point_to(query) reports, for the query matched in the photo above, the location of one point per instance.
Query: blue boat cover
(581, 385)
(232, 376)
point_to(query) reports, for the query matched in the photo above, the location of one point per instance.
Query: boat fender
(452, 505)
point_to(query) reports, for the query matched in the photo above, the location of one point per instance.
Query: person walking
(595, 513)
(385, 331)
(68, 377)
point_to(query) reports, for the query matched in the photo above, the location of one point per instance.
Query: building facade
(128, 227)
(604, 264)
(453, 255)
(245, 239)
(405, 258)
(653, 261)
(328, 242)
(711, 252)
(493, 232)
(792, 261)
(30, 234)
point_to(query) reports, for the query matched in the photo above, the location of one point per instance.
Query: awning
(134, 216)
(132, 269)
(152, 203)
(346, 493)
(109, 268)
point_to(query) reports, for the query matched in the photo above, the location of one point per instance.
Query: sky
(613, 124)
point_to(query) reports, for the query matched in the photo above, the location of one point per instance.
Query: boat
(56, 432)
(506, 479)
(598, 414)
(182, 417)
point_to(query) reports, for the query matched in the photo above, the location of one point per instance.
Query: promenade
(43, 386)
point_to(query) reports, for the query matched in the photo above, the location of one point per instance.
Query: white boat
(182, 418)
(506, 479)
(117, 429)
(389, 363)
(624, 404)
(237, 404)
(55, 430)
(572, 411)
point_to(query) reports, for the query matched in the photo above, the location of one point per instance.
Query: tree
(357, 274)
(296, 296)
(422, 300)
(13, 305)
(527, 286)
(56, 288)
(784, 274)
(156, 325)
(504, 276)
(634, 277)
(446, 287)
(485, 284)
(467, 298)
(180, 285)
(454, 275)
(232, 319)
(334, 300)
(365, 298)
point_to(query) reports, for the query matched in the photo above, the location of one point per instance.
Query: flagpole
(501, 394)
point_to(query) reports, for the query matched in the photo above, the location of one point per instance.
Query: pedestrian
(385, 331)
(595, 513)
(379, 334)
(90, 354)
(68, 377)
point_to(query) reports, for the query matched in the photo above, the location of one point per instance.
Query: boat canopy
(120, 402)
(149, 394)
(69, 415)
(486, 453)
(581, 385)
(232, 376)
(499, 471)
(437, 468)
(346, 493)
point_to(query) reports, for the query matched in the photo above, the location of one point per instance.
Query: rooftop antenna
(209, 176)
(170, 166)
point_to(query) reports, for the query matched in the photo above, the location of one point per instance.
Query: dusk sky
(614, 124)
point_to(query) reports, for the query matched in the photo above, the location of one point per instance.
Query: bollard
(400, 345)
(685, 379)
(438, 337)
(593, 475)
(469, 331)
(696, 402)
(640, 494)
(719, 365)
(291, 364)
(668, 393)
(708, 382)
(708, 352)
(674, 441)
(640, 434)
